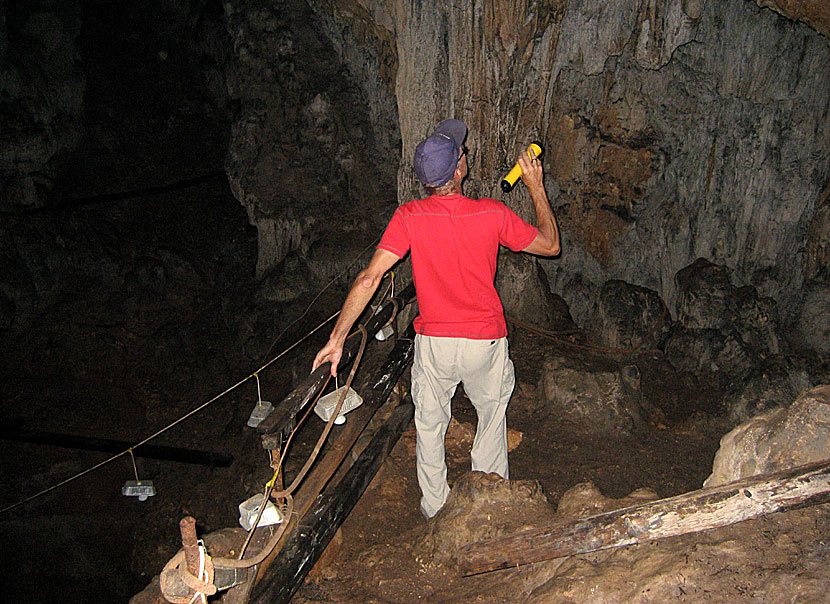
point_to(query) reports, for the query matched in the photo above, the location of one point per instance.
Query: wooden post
(688, 513)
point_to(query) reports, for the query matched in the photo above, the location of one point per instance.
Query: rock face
(669, 186)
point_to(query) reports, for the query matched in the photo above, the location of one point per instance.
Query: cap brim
(454, 129)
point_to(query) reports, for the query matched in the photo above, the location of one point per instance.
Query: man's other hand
(330, 353)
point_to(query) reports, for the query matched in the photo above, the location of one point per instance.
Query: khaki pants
(486, 371)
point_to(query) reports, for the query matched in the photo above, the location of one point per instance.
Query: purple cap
(437, 156)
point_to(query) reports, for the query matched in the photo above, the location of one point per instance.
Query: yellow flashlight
(509, 181)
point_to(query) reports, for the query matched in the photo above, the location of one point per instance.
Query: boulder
(600, 396)
(585, 499)
(627, 316)
(709, 300)
(776, 383)
(481, 506)
(776, 440)
(723, 332)
(719, 356)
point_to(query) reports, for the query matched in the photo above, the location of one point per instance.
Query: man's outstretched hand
(330, 353)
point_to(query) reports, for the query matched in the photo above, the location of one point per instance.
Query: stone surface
(717, 355)
(707, 299)
(526, 296)
(815, 13)
(585, 499)
(776, 440)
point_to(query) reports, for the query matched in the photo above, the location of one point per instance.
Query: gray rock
(287, 282)
(708, 299)
(303, 149)
(723, 332)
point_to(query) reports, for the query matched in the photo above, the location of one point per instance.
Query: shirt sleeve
(515, 233)
(395, 238)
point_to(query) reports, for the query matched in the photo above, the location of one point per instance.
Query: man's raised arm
(546, 242)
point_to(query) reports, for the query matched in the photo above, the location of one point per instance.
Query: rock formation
(676, 129)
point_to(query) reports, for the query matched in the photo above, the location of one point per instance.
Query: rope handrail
(210, 401)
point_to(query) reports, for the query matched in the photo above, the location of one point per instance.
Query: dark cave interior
(129, 296)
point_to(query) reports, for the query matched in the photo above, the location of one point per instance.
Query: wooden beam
(16, 432)
(307, 542)
(688, 513)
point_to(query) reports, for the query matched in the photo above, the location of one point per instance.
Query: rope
(553, 336)
(175, 574)
(215, 398)
(129, 450)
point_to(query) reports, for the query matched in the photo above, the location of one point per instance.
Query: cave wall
(41, 97)
(313, 151)
(675, 129)
(704, 135)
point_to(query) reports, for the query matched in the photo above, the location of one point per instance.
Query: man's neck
(454, 190)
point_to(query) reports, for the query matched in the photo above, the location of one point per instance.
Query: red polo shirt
(454, 242)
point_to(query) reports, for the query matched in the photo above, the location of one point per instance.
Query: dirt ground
(670, 459)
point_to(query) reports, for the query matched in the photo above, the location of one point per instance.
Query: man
(461, 330)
